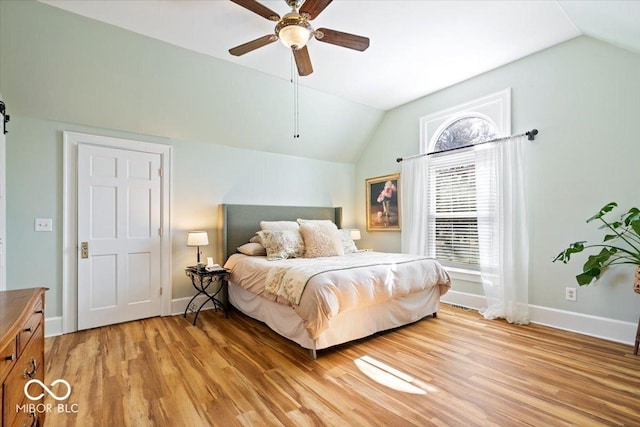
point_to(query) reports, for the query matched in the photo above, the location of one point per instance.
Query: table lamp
(355, 234)
(198, 238)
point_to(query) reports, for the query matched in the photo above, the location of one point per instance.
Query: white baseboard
(585, 324)
(52, 326)
(599, 327)
(464, 299)
(180, 304)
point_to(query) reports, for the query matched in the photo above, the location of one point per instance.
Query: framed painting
(383, 203)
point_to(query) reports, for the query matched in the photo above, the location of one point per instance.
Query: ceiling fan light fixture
(294, 37)
(294, 31)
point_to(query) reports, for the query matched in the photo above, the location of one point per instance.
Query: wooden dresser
(21, 356)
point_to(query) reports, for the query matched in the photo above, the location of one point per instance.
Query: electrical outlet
(570, 294)
(44, 224)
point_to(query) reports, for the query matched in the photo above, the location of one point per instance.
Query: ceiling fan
(294, 30)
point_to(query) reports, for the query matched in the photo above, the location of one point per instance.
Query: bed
(325, 301)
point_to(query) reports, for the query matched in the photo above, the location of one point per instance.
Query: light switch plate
(44, 224)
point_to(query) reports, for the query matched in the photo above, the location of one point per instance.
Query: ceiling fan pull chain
(296, 105)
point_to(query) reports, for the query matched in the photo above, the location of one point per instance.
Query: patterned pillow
(320, 240)
(348, 244)
(282, 244)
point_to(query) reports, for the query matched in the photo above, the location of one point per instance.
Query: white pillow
(279, 225)
(321, 239)
(314, 221)
(252, 249)
(282, 244)
(348, 244)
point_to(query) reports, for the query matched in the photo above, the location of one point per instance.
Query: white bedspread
(341, 283)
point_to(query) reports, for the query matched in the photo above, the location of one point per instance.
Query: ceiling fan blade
(258, 8)
(303, 61)
(314, 7)
(339, 38)
(253, 45)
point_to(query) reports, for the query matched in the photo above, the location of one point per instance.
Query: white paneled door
(119, 210)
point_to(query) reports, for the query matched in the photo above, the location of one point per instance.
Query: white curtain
(502, 229)
(414, 205)
(502, 222)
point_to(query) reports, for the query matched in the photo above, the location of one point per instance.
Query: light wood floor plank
(236, 372)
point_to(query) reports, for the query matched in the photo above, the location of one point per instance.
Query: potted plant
(620, 245)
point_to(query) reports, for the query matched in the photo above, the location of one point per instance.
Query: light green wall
(59, 71)
(583, 96)
(204, 176)
(59, 66)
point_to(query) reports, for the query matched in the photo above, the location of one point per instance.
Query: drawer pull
(34, 421)
(34, 367)
(11, 357)
(29, 329)
(39, 311)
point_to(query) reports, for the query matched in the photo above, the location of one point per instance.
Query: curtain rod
(530, 136)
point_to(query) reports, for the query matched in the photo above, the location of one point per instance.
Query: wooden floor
(457, 369)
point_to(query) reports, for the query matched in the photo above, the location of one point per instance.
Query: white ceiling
(417, 47)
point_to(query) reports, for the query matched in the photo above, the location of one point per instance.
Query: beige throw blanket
(289, 282)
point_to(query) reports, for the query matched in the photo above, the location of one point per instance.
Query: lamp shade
(197, 238)
(355, 234)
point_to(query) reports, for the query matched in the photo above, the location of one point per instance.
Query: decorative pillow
(252, 249)
(279, 225)
(348, 244)
(314, 221)
(282, 244)
(321, 239)
(256, 239)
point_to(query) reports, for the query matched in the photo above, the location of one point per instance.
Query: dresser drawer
(21, 356)
(27, 419)
(8, 356)
(32, 324)
(29, 366)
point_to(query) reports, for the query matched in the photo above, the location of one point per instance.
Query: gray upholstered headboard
(240, 222)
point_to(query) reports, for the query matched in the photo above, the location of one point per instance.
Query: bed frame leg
(313, 354)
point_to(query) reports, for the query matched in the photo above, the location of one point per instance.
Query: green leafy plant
(621, 244)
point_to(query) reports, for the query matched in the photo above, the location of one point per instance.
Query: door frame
(70, 250)
(3, 196)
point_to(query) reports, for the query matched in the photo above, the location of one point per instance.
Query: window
(452, 218)
(453, 204)
(466, 131)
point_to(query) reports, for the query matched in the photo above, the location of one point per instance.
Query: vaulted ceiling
(417, 47)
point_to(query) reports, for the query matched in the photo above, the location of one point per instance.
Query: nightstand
(209, 284)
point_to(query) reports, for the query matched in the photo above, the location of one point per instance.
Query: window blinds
(453, 226)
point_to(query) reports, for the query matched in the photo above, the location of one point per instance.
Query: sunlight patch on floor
(391, 377)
